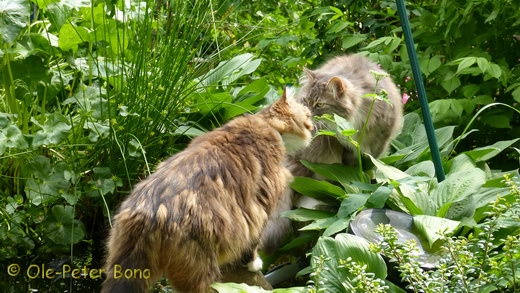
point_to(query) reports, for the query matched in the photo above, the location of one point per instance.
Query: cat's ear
(280, 105)
(309, 73)
(337, 86)
(283, 98)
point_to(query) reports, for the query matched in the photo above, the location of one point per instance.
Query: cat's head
(328, 94)
(293, 120)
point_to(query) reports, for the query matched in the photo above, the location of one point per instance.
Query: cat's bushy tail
(128, 266)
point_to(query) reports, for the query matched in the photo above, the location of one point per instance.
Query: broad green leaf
(302, 238)
(349, 132)
(460, 163)
(351, 204)
(114, 33)
(494, 70)
(352, 40)
(415, 199)
(303, 214)
(336, 27)
(516, 94)
(379, 197)
(388, 171)
(54, 130)
(336, 227)
(70, 36)
(188, 130)
(12, 137)
(469, 91)
(451, 84)
(434, 227)
(62, 228)
(230, 70)
(320, 190)
(46, 182)
(435, 62)
(207, 102)
(465, 63)
(456, 187)
(496, 121)
(103, 182)
(464, 208)
(336, 172)
(244, 288)
(335, 278)
(483, 154)
(42, 4)
(424, 168)
(320, 224)
(14, 16)
(74, 4)
(483, 64)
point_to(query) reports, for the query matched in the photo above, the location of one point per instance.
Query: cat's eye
(319, 105)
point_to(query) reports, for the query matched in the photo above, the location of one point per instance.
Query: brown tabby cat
(337, 87)
(207, 205)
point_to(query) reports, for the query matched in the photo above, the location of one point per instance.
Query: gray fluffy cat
(337, 87)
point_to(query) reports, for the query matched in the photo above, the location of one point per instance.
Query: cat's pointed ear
(309, 73)
(337, 86)
(281, 104)
(283, 98)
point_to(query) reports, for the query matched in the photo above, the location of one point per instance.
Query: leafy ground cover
(95, 93)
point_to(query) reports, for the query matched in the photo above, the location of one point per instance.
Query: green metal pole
(423, 99)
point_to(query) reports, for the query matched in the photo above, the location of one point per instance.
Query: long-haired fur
(207, 205)
(337, 87)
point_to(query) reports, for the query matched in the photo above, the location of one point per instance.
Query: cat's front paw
(255, 265)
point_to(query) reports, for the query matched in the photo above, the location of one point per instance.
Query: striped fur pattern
(206, 206)
(337, 87)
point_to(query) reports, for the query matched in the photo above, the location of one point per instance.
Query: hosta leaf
(460, 163)
(485, 153)
(456, 187)
(188, 130)
(243, 288)
(14, 16)
(351, 204)
(336, 227)
(230, 70)
(379, 197)
(303, 214)
(335, 278)
(336, 172)
(321, 190)
(434, 227)
(388, 171)
(320, 224)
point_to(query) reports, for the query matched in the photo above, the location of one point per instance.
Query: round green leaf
(14, 16)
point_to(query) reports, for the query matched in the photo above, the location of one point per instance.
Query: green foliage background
(94, 93)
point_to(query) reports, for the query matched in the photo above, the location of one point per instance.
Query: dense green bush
(94, 93)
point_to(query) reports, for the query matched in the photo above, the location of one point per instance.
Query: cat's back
(354, 67)
(231, 157)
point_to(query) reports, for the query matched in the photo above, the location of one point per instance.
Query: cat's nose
(308, 125)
